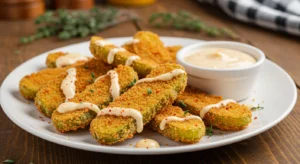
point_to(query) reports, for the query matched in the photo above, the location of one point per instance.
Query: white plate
(274, 90)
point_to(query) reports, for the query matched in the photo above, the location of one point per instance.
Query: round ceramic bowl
(230, 83)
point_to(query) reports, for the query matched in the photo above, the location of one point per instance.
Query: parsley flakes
(258, 107)
(149, 91)
(209, 131)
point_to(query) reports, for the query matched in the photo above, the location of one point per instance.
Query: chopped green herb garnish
(132, 83)
(92, 91)
(93, 77)
(8, 161)
(186, 112)
(182, 104)
(209, 131)
(149, 91)
(258, 107)
(86, 67)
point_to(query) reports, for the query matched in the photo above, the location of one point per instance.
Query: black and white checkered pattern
(282, 15)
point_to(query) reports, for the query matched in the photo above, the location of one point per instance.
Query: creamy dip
(163, 123)
(68, 84)
(218, 105)
(163, 77)
(133, 41)
(112, 53)
(130, 60)
(71, 106)
(124, 112)
(147, 143)
(214, 57)
(69, 59)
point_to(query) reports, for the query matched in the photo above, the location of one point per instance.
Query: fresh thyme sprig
(69, 24)
(258, 107)
(209, 131)
(184, 20)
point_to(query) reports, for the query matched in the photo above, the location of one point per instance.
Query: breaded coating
(97, 93)
(109, 129)
(50, 95)
(29, 85)
(141, 66)
(173, 51)
(195, 100)
(231, 117)
(149, 47)
(52, 57)
(189, 131)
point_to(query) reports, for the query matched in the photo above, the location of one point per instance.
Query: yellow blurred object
(132, 2)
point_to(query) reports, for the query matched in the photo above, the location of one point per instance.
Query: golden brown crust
(50, 95)
(52, 57)
(189, 131)
(150, 47)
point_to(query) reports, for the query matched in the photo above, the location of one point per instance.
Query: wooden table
(277, 145)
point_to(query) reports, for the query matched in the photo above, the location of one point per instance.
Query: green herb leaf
(132, 83)
(186, 112)
(209, 131)
(184, 20)
(66, 24)
(86, 67)
(182, 104)
(92, 91)
(93, 76)
(258, 107)
(8, 161)
(149, 91)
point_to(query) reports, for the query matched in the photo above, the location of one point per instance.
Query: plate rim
(116, 150)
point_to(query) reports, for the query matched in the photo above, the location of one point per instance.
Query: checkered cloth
(282, 15)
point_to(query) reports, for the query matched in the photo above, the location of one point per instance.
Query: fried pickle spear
(109, 129)
(150, 47)
(29, 85)
(188, 131)
(50, 95)
(231, 117)
(97, 93)
(141, 66)
(52, 58)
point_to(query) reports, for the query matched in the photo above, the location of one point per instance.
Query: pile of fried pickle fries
(119, 90)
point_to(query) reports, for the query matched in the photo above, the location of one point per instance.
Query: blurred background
(28, 9)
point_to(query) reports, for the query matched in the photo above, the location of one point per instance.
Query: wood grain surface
(279, 144)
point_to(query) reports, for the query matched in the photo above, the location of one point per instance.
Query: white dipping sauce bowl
(230, 83)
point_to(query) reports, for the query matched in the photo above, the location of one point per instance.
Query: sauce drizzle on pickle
(218, 105)
(163, 123)
(68, 84)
